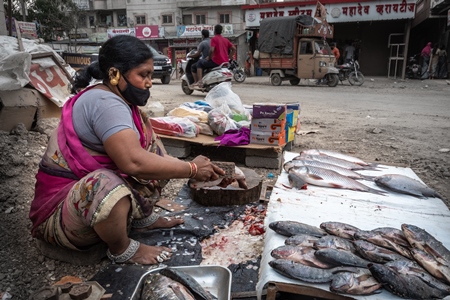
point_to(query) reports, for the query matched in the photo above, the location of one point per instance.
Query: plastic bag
(221, 96)
(220, 121)
(184, 111)
(175, 126)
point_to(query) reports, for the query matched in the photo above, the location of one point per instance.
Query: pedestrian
(443, 62)
(104, 167)
(349, 52)
(434, 59)
(221, 51)
(202, 52)
(336, 52)
(425, 54)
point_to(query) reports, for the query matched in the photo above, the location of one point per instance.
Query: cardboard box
(267, 137)
(25, 106)
(295, 107)
(269, 111)
(273, 125)
(290, 133)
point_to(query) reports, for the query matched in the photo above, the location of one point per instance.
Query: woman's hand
(206, 170)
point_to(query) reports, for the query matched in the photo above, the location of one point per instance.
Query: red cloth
(426, 51)
(221, 46)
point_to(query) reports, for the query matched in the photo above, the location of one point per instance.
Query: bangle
(194, 170)
(190, 171)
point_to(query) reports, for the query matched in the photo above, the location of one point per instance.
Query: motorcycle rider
(221, 51)
(202, 52)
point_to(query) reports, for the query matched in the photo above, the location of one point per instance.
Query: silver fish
(159, 287)
(304, 240)
(303, 255)
(421, 239)
(290, 228)
(377, 238)
(361, 283)
(406, 185)
(296, 181)
(299, 271)
(335, 154)
(312, 163)
(405, 286)
(341, 258)
(436, 267)
(375, 253)
(329, 178)
(334, 161)
(340, 229)
(335, 242)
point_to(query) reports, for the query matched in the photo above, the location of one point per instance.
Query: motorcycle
(413, 69)
(350, 71)
(238, 72)
(211, 77)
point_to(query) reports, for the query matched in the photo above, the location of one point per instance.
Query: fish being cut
(328, 178)
(334, 161)
(361, 283)
(312, 163)
(340, 229)
(299, 271)
(159, 287)
(406, 185)
(290, 228)
(341, 258)
(335, 154)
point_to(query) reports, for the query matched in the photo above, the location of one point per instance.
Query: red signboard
(147, 31)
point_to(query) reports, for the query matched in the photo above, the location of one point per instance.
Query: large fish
(299, 271)
(332, 179)
(421, 239)
(405, 286)
(376, 253)
(290, 228)
(436, 267)
(188, 281)
(335, 154)
(361, 283)
(377, 238)
(393, 234)
(340, 229)
(334, 161)
(159, 287)
(312, 163)
(304, 240)
(335, 242)
(406, 185)
(296, 181)
(341, 258)
(303, 255)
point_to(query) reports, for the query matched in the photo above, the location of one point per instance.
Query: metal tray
(214, 279)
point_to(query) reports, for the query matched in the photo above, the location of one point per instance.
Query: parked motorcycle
(238, 72)
(413, 69)
(350, 71)
(211, 77)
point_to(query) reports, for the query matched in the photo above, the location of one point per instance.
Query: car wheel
(276, 79)
(165, 79)
(185, 87)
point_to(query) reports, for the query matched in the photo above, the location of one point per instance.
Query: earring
(114, 80)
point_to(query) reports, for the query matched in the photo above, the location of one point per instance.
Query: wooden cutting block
(170, 205)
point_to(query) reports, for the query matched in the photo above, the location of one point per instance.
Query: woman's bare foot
(150, 255)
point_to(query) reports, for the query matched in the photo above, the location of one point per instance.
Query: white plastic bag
(221, 122)
(221, 95)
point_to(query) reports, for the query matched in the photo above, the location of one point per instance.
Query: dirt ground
(395, 122)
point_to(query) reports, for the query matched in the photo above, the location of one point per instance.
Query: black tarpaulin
(276, 35)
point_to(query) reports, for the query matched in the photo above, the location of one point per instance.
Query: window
(140, 20)
(122, 19)
(105, 20)
(82, 21)
(224, 18)
(200, 19)
(187, 20)
(167, 19)
(91, 21)
(306, 48)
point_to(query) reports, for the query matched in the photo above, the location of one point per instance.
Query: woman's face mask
(134, 95)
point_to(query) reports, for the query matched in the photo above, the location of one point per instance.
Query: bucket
(258, 72)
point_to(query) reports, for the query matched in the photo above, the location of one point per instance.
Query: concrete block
(175, 143)
(264, 162)
(180, 152)
(264, 152)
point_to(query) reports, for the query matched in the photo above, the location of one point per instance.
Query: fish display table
(366, 211)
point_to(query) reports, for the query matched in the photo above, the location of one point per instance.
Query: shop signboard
(145, 32)
(118, 31)
(27, 30)
(179, 55)
(196, 30)
(339, 12)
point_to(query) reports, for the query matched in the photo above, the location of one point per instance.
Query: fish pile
(337, 170)
(408, 262)
(173, 284)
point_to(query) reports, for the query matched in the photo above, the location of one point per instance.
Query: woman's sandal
(126, 255)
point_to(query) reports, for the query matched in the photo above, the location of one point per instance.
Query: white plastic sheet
(363, 210)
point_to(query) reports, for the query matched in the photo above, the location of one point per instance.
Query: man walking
(221, 50)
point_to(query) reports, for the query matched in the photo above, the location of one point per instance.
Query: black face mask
(134, 95)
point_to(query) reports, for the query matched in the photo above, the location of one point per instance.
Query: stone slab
(180, 152)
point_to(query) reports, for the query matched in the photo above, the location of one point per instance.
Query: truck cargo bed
(276, 61)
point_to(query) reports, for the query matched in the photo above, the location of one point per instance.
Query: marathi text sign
(196, 30)
(342, 12)
(27, 30)
(147, 31)
(118, 31)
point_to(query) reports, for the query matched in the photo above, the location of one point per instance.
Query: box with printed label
(290, 133)
(269, 111)
(267, 137)
(295, 107)
(274, 125)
